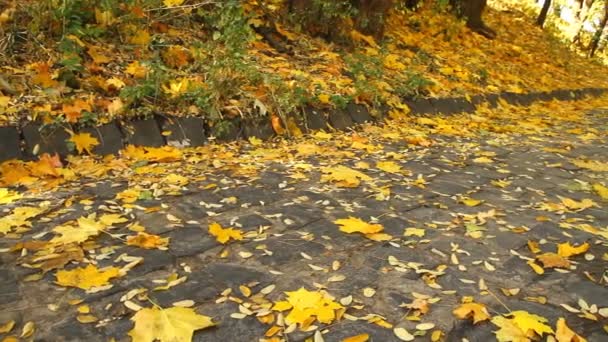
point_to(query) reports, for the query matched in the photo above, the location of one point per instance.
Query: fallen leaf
(563, 333)
(176, 324)
(566, 250)
(84, 142)
(86, 277)
(475, 310)
(223, 235)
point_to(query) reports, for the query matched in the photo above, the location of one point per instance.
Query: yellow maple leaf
(176, 324)
(7, 196)
(578, 205)
(140, 37)
(356, 225)
(176, 87)
(86, 277)
(343, 176)
(306, 306)
(173, 3)
(563, 333)
(324, 98)
(147, 241)
(530, 322)
(388, 166)
(601, 190)
(223, 235)
(566, 250)
(84, 142)
(86, 228)
(508, 332)
(592, 165)
(137, 70)
(477, 311)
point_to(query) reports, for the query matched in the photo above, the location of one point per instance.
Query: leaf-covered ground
(99, 64)
(483, 226)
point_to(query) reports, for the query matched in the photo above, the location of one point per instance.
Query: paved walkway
(480, 205)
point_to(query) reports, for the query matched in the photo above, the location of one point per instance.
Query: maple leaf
(147, 241)
(19, 218)
(176, 56)
(43, 75)
(308, 305)
(343, 176)
(87, 227)
(86, 277)
(592, 165)
(476, 310)
(566, 250)
(563, 333)
(174, 324)
(530, 322)
(508, 332)
(73, 112)
(356, 225)
(601, 190)
(223, 235)
(578, 205)
(553, 260)
(84, 142)
(137, 70)
(97, 55)
(388, 166)
(7, 196)
(176, 87)
(357, 338)
(140, 37)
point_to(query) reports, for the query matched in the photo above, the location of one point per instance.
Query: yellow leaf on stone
(419, 232)
(566, 250)
(536, 267)
(175, 179)
(86, 277)
(592, 165)
(7, 327)
(483, 160)
(563, 333)
(358, 338)
(84, 142)
(601, 190)
(223, 235)
(470, 202)
(176, 324)
(7, 196)
(306, 306)
(508, 332)
(343, 176)
(475, 310)
(86, 228)
(527, 321)
(578, 205)
(389, 166)
(147, 241)
(356, 225)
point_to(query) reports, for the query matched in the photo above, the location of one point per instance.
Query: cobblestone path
(467, 214)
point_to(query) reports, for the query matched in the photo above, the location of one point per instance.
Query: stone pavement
(476, 200)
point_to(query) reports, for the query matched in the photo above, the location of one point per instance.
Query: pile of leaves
(90, 62)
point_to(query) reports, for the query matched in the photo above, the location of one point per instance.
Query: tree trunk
(595, 41)
(585, 11)
(472, 10)
(540, 21)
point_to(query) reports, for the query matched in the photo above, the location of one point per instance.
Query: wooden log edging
(33, 139)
